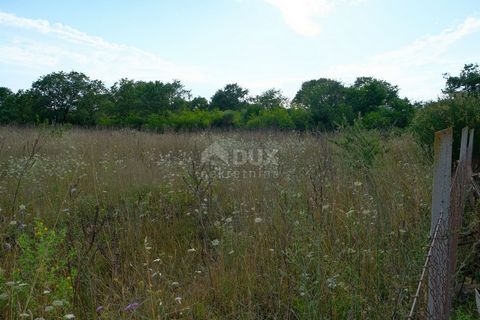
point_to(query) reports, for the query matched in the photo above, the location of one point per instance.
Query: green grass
(131, 217)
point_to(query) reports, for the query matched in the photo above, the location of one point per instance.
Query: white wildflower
(57, 303)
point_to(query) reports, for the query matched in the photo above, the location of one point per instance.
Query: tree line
(74, 98)
(321, 104)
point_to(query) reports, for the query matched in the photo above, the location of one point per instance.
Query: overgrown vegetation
(123, 224)
(103, 224)
(323, 104)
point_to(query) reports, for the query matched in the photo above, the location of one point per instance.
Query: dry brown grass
(320, 240)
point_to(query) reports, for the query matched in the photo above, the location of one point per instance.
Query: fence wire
(432, 294)
(435, 289)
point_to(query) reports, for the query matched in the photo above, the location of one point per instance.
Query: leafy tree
(457, 112)
(468, 82)
(22, 108)
(61, 93)
(136, 100)
(459, 109)
(270, 99)
(369, 94)
(302, 119)
(199, 103)
(326, 100)
(6, 95)
(231, 97)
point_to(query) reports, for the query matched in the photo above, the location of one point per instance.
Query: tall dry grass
(151, 232)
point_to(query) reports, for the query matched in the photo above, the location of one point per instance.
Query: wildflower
(357, 184)
(215, 242)
(49, 308)
(178, 300)
(325, 207)
(3, 296)
(191, 250)
(228, 220)
(332, 282)
(99, 309)
(175, 284)
(131, 306)
(24, 315)
(23, 207)
(69, 316)
(57, 303)
(258, 220)
(46, 291)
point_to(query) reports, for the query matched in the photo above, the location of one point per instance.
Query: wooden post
(438, 269)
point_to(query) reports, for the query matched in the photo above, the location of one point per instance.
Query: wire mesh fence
(435, 289)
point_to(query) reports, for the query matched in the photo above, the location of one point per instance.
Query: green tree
(270, 99)
(135, 101)
(59, 94)
(468, 82)
(369, 94)
(199, 103)
(231, 97)
(326, 100)
(6, 96)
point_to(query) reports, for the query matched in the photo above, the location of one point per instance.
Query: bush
(456, 112)
(155, 122)
(276, 118)
(362, 147)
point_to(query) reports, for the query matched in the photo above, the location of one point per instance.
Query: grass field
(132, 225)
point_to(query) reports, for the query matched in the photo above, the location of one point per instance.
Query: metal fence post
(438, 290)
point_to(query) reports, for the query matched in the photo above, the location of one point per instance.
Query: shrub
(276, 118)
(456, 112)
(42, 281)
(362, 147)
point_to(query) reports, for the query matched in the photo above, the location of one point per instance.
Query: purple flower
(132, 306)
(99, 309)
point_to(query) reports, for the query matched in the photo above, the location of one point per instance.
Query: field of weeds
(235, 225)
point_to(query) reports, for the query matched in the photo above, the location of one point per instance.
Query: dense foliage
(322, 104)
(459, 108)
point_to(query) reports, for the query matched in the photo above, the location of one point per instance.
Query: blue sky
(259, 44)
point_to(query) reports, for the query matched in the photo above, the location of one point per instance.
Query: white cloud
(302, 15)
(40, 46)
(417, 67)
